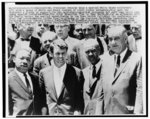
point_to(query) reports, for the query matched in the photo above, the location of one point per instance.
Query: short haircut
(92, 42)
(16, 53)
(58, 43)
(113, 30)
(49, 35)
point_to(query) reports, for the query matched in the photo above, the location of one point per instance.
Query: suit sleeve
(79, 93)
(43, 91)
(138, 109)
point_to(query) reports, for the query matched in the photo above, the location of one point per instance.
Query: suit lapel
(65, 82)
(123, 64)
(46, 61)
(94, 86)
(87, 80)
(17, 78)
(51, 84)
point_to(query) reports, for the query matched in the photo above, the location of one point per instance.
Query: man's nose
(80, 31)
(113, 41)
(90, 53)
(24, 61)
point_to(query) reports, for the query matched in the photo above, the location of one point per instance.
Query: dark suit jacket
(21, 101)
(123, 93)
(35, 44)
(93, 96)
(41, 62)
(70, 98)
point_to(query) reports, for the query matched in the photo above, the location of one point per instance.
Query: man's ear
(14, 59)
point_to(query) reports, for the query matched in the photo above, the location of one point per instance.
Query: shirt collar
(21, 74)
(121, 55)
(61, 68)
(97, 65)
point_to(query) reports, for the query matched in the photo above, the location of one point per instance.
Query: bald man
(47, 38)
(122, 76)
(93, 96)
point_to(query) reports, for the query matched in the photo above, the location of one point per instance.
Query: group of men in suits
(110, 83)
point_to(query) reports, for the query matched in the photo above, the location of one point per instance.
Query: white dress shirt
(21, 75)
(58, 77)
(121, 56)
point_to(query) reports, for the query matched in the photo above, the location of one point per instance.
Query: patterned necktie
(94, 71)
(27, 82)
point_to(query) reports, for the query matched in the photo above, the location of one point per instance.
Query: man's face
(22, 61)
(26, 32)
(46, 41)
(41, 28)
(117, 42)
(78, 32)
(59, 56)
(62, 30)
(89, 31)
(92, 53)
(136, 32)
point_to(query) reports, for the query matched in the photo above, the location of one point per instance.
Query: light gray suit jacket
(93, 96)
(70, 98)
(40, 63)
(123, 93)
(21, 101)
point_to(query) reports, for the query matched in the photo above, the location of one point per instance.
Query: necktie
(27, 82)
(94, 71)
(118, 60)
(117, 64)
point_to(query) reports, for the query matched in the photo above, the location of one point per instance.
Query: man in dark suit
(93, 96)
(60, 84)
(44, 60)
(24, 90)
(122, 76)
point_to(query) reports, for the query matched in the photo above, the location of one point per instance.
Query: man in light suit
(44, 60)
(60, 84)
(23, 87)
(122, 76)
(62, 31)
(89, 32)
(93, 96)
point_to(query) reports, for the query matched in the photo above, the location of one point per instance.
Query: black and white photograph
(75, 59)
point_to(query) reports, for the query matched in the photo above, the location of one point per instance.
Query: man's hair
(16, 53)
(116, 30)
(92, 42)
(48, 35)
(58, 43)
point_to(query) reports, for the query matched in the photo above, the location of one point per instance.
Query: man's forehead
(91, 43)
(22, 53)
